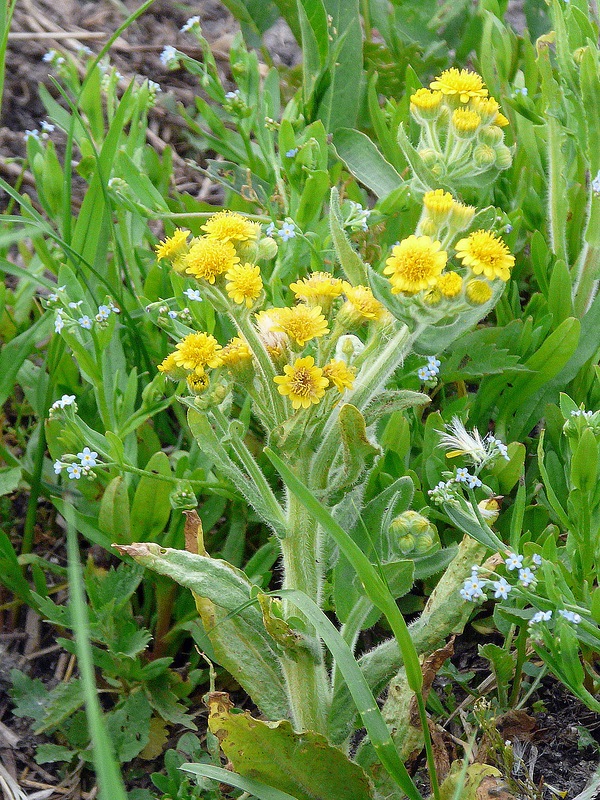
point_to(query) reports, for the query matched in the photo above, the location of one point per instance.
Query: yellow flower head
(461, 216)
(227, 226)
(319, 288)
(501, 120)
(363, 303)
(173, 246)
(197, 351)
(461, 84)
(236, 353)
(339, 374)
(208, 258)
(486, 253)
(301, 323)
(171, 369)
(303, 383)
(487, 108)
(415, 264)
(478, 292)
(197, 384)
(244, 283)
(465, 121)
(438, 203)
(449, 284)
(425, 103)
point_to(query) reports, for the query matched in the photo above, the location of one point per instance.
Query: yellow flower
(173, 246)
(303, 383)
(236, 352)
(319, 288)
(301, 323)
(340, 374)
(462, 84)
(461, 215)
(438, 203)
(208, 258)
(415, 264)
(363, 303)
(486, 253)
(478, 292)
(227, 226)
(197, 384)
(449, 284)
(487, 108)
(426, 102)
(501, 120)
(171, 369)
(465, 121)
(197, 351)
(245, 284)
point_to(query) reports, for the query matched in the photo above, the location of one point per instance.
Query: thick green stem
(306, 676)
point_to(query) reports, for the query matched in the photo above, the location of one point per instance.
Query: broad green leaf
(303, 764)
(315, 43)
(352, 264)
(151, 507)
(584, 463)
(17, 350)
(388, 402)
(234, 628)
(129, 726)
(114, 517)
(62, 701)
(357, 450)
(366, 162)
(10, 478)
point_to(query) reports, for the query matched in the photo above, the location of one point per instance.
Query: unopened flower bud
(267, 249)
(491, 135)
(428, 156)
(484, 155)
(413, 533)
(503, 157)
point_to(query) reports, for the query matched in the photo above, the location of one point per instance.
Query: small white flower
(536, 559)
(442, 493)
(173, 314)
(473, 482)
(570, 616)
(58, 467)
(291, 153)
(75, 304)
(35, 134)
(502, 587)
(596, 183)
(513, 561)
(47, 57)
(526, 576)
(192, 22)
(581, 413)
(288, 231)
(88, 458)
(46, 126)
(74, 471)
(169, 57)
(115, 309)
(540, 616)
(65, 400)
(103, 313)
(85, 322)
(461, 442)
(522, 90)
(59, 323)
(153, 87)
(271, 229)
(193, 294)
(232, 95)
(462, 475)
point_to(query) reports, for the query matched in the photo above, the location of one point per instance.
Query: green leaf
(62, 701)
(30, 696)
(315, 43)
(357, 450)
(388, 402)
(584, 463)
(17, 350)
(303, 764)
(10, 477)
(249, 785)
(366, 162)
(114, 517)
(151, 506)
(502, 664)
(129, 726)
(51, 753)
(234, 627)
(11, 573)
(350, 261)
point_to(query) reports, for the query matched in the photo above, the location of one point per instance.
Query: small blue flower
(526, 576)
(74, 471)
(536, 559)
(59, 323)
(513, 561)
(540, 616)
(232, 95)
(46, 126)
(271, 230)
(35, 134)
(434, 363)
(103, 313)
(288, 231)
(596, 183)
(473, 482)
(502, 588)
(88, 458)
(193, 294)
(85, 322)
(173, 314)
(462, 475)
(570, 616)
(424, 374)
(58, 467)
(291, 153)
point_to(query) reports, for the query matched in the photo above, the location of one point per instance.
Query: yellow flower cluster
(419, 263)
(305, 384)
(461, 126)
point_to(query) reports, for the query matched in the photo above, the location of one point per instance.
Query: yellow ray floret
(301, 323)
(449, 284)
(173, 246)
(415, 264)
(485, 253)
(340, 374)
(244, 284)
(317, 286)
(209, 258)
(462, 84)
(438, 201)
(227, 226)
(171, 368)
(425, 99)
(363, 302)
(303, 383)
(465, 120)
(198, 351)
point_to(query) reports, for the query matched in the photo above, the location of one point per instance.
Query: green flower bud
(429, 156)
(406, 544)
(267, 249)
(491, 135)
(247, 251)
(484, 155)
(503, 157)
(183, 497)
(413, 533)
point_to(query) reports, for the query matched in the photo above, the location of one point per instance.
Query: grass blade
(256, 789)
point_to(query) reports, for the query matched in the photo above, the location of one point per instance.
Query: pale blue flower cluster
(464, 476)
(169, 57)
(430, 370)
(87, 460)
(286, 232)
(292, 153)
(193, 294)
(474, 587)
(581, 413)
(193, 23)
